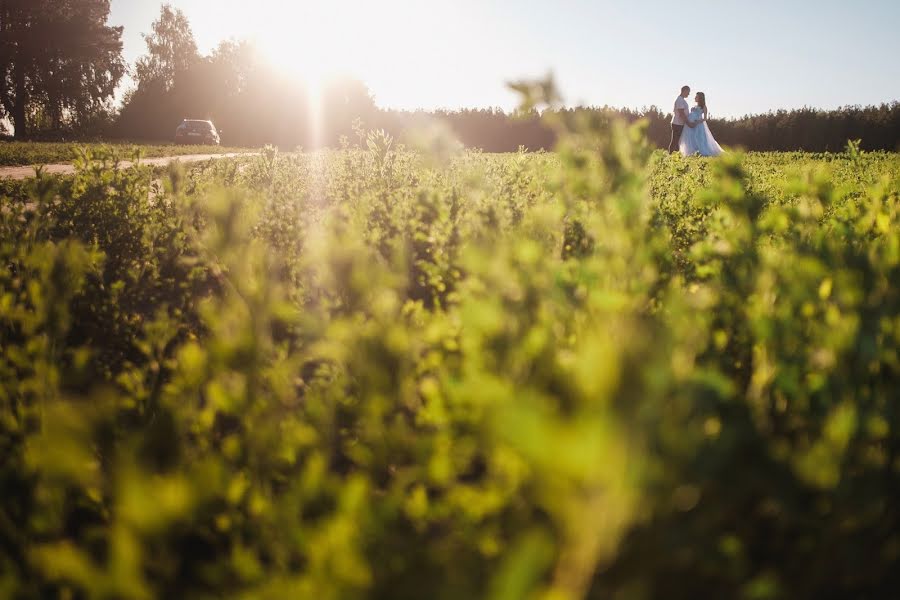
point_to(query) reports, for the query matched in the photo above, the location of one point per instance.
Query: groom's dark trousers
(676, 137)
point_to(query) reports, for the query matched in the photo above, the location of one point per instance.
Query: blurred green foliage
(379, 373)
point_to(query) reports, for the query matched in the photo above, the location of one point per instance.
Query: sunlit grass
(38, 153)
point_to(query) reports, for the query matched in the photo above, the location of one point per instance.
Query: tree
(171, 49)
(235, 60)
(60, 62)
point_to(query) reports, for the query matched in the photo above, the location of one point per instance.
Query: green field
(14, 154)
(602, 372)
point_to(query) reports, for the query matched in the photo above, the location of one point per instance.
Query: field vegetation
(384, 372)
(47, 153)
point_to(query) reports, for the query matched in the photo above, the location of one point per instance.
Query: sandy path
(27, 172)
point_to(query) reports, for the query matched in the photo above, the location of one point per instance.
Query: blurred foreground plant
(379, 373)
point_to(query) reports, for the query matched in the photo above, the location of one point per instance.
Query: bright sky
(749, 56)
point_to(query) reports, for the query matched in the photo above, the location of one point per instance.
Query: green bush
(373, 373)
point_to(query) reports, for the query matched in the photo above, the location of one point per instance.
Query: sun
(315, 41)
(397, 48)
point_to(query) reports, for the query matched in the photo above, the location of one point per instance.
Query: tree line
(60, 64)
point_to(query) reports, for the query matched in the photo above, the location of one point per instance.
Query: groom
(680, 118)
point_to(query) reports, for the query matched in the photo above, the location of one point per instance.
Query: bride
(699, 139)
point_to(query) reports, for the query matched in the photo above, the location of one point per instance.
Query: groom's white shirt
(677, 119)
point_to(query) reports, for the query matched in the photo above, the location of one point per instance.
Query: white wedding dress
(699, 139)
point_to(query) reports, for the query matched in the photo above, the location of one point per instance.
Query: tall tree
(59, 61)
(171, 49)
(235, 60)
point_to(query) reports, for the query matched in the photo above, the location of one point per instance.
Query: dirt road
(27, 172)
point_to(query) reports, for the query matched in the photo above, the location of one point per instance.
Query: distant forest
(65, 90)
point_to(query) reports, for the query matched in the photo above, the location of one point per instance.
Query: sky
(748, 56)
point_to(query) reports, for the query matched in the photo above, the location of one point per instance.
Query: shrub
(366, 373)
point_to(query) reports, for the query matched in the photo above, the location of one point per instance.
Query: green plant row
(385, 372)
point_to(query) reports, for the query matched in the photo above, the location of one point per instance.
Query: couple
(690, 133)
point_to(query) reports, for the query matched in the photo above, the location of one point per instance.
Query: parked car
(192, 131)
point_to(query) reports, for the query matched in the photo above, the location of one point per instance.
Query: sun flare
(396, 47)
(316, 41)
